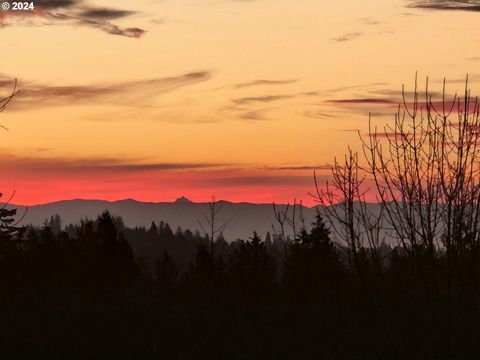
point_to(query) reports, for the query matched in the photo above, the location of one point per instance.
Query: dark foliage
(100, 290)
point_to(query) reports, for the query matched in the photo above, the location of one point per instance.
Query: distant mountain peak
(183, 200)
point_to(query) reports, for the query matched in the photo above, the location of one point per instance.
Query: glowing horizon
(154, 100)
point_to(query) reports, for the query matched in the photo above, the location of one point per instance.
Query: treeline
(100, 290)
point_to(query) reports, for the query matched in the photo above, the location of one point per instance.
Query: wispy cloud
(437, 106)
(34, 95)
(361, 101)
(379, 105)
(74, 166)
(253, 115)
(301, 167)
(55, 4)
(105, 13)
(348, 36)
(370, 21)
(316, 114)
(74, 12)
(244, 113)
(112, 29)
(265, 83)
(261, 99)
(256, 107)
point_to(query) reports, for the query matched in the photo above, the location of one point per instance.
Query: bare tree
(424, 172)
(347, 210)
(281, 217)
(293, 220)
(211, 228)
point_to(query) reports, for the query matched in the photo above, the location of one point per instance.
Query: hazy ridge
(242, 218)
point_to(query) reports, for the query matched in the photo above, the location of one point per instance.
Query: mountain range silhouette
(241, 218)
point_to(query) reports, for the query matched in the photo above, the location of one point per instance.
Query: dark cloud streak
(316, 114)
(348, 36)
(362, 101)
(55, 4)
(76, 12)
(112, 29)
(458, 5)
(105, 13)
(261, 99)
(266, 83)
(303, 168)
(74, 166)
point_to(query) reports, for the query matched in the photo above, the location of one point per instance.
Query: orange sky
(241, 99)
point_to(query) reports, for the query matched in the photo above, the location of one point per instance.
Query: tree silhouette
(252, 267)
(424, 171)
(313, 265)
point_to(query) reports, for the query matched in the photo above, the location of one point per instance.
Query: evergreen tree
(55, 224)
(312, 265)
(153, 231)
(251, 266)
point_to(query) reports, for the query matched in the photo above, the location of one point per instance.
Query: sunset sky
(240, 99)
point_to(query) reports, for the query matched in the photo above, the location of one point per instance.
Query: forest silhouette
(399, 282)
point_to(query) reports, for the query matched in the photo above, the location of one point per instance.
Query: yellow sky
(271, 74)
